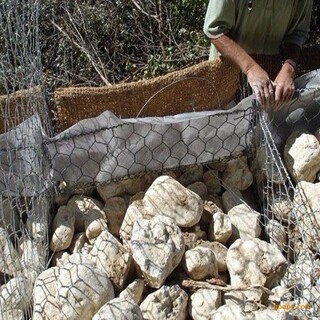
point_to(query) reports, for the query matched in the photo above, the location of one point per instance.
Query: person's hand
(284, 86)
(261, 85)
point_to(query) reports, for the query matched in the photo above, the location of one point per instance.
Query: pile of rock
(187, 244)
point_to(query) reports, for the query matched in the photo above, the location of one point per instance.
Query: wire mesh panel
(287, 176)
(25, 191)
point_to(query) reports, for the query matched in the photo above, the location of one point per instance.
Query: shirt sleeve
(299, 28)
(220, 18)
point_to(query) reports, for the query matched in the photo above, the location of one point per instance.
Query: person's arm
(284, 82)
(257, 77)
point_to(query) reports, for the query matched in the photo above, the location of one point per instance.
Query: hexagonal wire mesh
(25, 192)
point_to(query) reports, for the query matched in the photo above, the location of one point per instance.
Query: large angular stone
(168, 197)
(302, 156)
(157, 247)
(255, 262)
(167, 303)
(82, 290)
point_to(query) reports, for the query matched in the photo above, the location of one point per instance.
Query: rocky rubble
(187, 244)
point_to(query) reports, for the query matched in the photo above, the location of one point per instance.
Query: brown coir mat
(204, 86)
(18, 106)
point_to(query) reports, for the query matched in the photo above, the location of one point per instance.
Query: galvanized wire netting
(289, 214)
(25, 192)
(106, 149)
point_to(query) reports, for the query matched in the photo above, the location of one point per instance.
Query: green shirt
(261, 30)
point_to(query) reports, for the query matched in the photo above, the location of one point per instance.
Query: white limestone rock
(212, 181)
(281, 208)
(89, 216)
(9, 216)
(270, 165)
(110, 190)
(16, 294)
(245, 223)
(302, 156)
(220, 252)
(237, 174)
(44, 296)
(115, 209)
(9, 257)
(112, 257)
(307, 202)
(269, 314)
(277, 234)
(63, 229)
(234, 298)
(220, 228)
(255, 262)
(82, 290)
(134, 291)
(12, 314)
(231, 312)
(200, 263)
(119, 308)
(169, 198)
(203, 303)
(157, 248)
(167, 303)
(134, 212)
(33, 258)
(59, 258)
(78, 242)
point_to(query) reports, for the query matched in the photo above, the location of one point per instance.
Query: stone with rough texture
(137, 184)
(191, 175)
(44, 296)
(115, 209)
(220, 252)
(231, 198)
(199, 188)
(220, 228)
(16, 294)
(255, 262)
(9, 216)
(302, 156)
(33, 258)
(168, 197)
(245, 223)
(281, 208)
(272, 315)
(13, 314)
(63, 229)
(134, 212)
(78, 242)
(113, 258)
(231, 312)
(59, 258)
(110, 190)
(237, 175)
(167, 303)
(157, 247)
(134, 291)
(277, 234)
(82, 290)
(89, 216)
(203, 303)
(212, 181)
(307, 202)
(117, 309)
(9, 258)
(200, 263)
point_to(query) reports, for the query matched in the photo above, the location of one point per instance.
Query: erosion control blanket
(107, 148)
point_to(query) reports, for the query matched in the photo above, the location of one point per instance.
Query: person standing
(243, 30)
